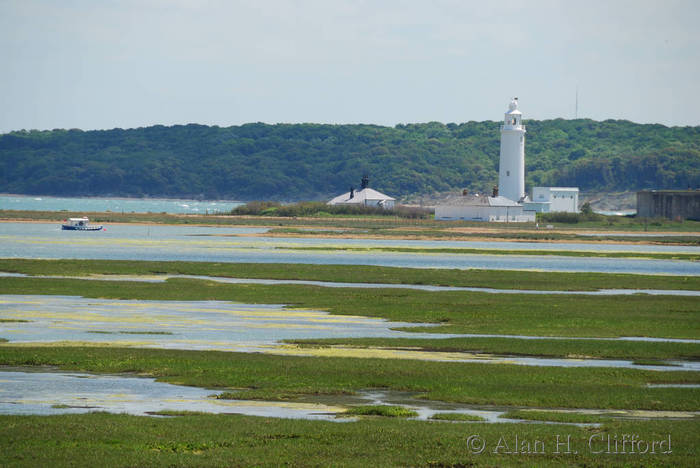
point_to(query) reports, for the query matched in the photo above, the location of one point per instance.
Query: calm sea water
(116, 205)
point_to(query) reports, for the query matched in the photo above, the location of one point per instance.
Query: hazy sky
(102, 64)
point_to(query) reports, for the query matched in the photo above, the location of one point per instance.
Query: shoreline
(120, 198)
(322, 235)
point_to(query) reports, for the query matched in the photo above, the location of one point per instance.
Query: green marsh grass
(653, 362)
(655, 353)
(456, 417)
(380, 410)
(271, 377)
(108, 440)
(557, 416)
(535, 280)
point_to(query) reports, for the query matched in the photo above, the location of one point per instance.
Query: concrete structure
(483, 208)
(671, 204)
(364, 197)
(549, 199)
(511, 168)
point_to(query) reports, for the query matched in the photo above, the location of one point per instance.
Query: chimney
(352, 192)
(465, 192)
(365, 181)
(495, 190)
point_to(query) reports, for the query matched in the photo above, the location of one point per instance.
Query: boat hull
(81, 228)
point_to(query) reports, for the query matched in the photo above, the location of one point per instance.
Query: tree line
(314, 162)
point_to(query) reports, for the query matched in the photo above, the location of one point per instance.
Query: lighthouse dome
(513, 108)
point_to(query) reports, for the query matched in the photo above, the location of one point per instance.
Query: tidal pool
(30, 392)
(213, 325)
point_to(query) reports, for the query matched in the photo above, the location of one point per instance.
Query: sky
(99, 64)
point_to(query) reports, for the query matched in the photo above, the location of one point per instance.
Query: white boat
(80, 224)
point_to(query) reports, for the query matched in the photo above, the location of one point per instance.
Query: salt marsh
(44, 392)
(225, 326)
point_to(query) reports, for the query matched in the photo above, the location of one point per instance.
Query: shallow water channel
(198, 243)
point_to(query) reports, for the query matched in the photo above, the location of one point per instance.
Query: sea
(116, 205)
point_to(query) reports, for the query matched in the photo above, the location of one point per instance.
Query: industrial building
(548, 199)
(671, 204)
(364, 197)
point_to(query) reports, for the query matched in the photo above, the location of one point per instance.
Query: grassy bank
(556, 416)
(457, 312)
(259, 376)
(230, 440)
(460, 251)
(535, 280)
(601, 349)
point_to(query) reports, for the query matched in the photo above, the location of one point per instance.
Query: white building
(550, 199)
(483, 208)
(511, 168)
(364, 197)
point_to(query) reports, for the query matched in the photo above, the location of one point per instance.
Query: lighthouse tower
(511, 170)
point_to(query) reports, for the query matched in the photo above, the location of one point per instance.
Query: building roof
(479, 200)
(560, 189)
(360, 196)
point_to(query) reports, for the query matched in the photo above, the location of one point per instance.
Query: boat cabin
(78, 222)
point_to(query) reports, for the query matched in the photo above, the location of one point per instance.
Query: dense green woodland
(312, 161)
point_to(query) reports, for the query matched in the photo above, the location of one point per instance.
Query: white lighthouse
(511, 170)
